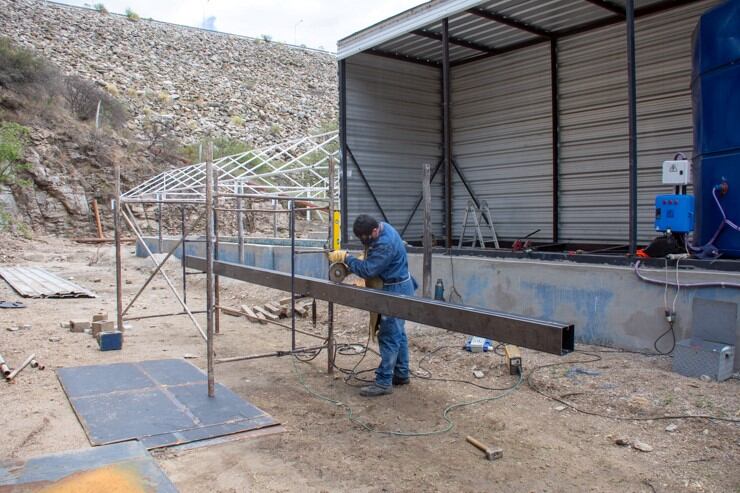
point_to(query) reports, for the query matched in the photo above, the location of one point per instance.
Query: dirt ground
(547, 446)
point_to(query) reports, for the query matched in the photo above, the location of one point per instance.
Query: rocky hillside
(176, 84)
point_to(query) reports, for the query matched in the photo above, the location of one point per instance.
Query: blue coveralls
(386, 258)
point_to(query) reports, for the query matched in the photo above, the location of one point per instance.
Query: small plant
(237, 121)
(13, 140)
(112, 89)
(164, 97)
(266, 38)
(275, 129)
(100, 8)
(131, 15)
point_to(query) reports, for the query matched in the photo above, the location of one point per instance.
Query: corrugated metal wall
(502, 138)
(594, 201)
(393, 128)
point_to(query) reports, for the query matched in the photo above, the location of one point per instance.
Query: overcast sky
(314, 23)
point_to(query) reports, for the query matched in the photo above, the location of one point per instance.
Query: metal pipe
(209, 268)
(292, 273)
(268, 211)
(159, 227)
(330, 305)
(269, 197)
(182, 257)
(632, 115)
(4, 367)
(143, 317)
(138, 234)
(36, 364)
(274, 219)
(269, 355)
(555, 112)
(426, 185)
(15, 372)
(240, 226)
(117, 238)
(216, 281)
(447, 130)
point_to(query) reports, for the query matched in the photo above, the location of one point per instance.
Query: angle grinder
(338, 271)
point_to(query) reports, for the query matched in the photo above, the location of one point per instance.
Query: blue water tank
(715, 88)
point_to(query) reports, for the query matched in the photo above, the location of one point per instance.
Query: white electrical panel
(676, 172)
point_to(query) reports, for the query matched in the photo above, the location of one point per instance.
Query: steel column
(555, 112)
(447, 131)
(119, 262)
(419, 200)
(208, 268)
(632, 115)
(342, 75)
(542, 335)
(330, 306)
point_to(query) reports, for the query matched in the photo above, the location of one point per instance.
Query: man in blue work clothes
(386, 259)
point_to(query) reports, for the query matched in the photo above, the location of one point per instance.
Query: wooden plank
(273, 307)
(231, 311)
(251, 316)
(258, 309)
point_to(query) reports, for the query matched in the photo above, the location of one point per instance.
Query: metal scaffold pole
(117, 227)
(330, 305)
(209, 268)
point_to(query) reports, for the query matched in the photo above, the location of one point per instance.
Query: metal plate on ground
(33, 282)
(161, 403)
(118, 467)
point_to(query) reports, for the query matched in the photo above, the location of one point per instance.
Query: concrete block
(102, 326)
(78, 326)
(98, 317)
(110, 341)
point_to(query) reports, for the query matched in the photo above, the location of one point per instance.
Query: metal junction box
(676, 172)
(674, 213)
(696, 357)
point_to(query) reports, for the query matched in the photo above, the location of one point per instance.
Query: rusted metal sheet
(34, 282)
(118, 467)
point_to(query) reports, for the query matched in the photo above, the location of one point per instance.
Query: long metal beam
(610, 6)
(541, 335)
(510, 21)
(453, 41)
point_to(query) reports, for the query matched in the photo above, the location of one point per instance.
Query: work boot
(400, 381)
(375, 390)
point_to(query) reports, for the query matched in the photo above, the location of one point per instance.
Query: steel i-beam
(541, 335)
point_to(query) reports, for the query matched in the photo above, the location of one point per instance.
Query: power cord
(595, 358)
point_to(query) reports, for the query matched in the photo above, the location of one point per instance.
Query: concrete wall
(270, 255)
(607, 304)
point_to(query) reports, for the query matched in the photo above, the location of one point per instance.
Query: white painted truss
(296, 168)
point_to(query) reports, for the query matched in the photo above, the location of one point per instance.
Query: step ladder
(478, 214)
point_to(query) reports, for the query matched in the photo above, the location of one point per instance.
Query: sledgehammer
(491, 453)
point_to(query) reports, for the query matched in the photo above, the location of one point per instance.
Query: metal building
(559, 113)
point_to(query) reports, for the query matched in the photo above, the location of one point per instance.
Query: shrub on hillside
(13, 140)
(21, 67)
(131, 15)
(83, 97)
(100, 8)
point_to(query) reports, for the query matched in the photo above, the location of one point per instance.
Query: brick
(100, 317)
(75, 326)
(102, 326)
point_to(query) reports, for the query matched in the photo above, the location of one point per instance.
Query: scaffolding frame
(299, 173)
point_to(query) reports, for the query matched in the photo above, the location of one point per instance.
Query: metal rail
(541, 335)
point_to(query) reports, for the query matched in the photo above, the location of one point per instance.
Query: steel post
(117, 227)
(330, 305)
(555, 112)
(447, 131)
(632, 115)
(210, 302)
(427, 242)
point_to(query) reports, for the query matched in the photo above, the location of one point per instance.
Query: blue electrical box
(674, 213)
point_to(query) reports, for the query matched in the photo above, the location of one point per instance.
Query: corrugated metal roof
(33, 282)
(490, 26)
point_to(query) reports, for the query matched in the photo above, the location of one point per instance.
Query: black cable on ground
(595, 358)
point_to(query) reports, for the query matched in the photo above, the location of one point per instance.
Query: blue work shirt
(386, 258)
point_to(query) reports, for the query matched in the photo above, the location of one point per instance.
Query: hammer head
(494, 453)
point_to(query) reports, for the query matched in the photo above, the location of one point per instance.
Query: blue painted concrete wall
(607, 304)
(269, 253)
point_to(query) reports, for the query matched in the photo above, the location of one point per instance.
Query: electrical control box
(696, 357)
(676, 172)
(674, 213)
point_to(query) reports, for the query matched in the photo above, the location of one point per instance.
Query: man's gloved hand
(337, 256)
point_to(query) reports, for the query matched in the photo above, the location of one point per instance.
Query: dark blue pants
(394, 347)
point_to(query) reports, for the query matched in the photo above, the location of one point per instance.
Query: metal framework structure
(294, 168)
(450, 33)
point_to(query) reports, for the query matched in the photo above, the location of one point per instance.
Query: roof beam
(616, 19)
(453, 40)
(610, 6)
(509, 21)
(501, 51)
(403, 58)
